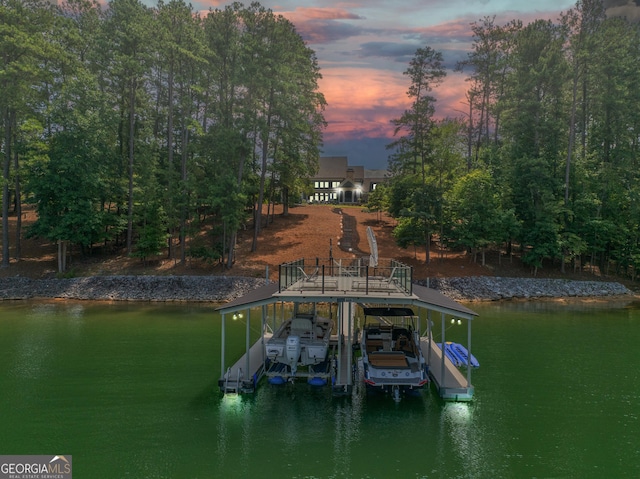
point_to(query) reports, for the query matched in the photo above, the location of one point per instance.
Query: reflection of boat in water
(391, 354)
(302, 340)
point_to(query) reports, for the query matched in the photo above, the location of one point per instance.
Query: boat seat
(388, 360)
(374, 345)
(406, 346)
(301, 324)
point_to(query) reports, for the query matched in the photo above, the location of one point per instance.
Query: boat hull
(392, 359)
(300, 341)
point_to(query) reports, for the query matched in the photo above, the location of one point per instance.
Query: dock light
(231, 403)
(453, 321)
(237, 316)
(458, 413)
(459, 321)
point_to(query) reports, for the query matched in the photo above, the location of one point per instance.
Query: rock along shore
(489, 288)
(130, 288)
(227, 288)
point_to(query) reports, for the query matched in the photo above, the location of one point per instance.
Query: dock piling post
(442, 370)
(222, 346)
(248, 342)
(469, 353)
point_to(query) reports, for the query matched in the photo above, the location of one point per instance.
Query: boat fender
(316, 381)
(277, 380)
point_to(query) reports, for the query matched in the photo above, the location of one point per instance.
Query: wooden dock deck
(236, 380)
(343, 341)
(452, 385)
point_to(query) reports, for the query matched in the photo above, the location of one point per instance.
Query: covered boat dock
(349, 284)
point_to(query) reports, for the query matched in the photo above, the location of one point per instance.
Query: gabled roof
(440, 302)
(422, 297)
(256, 297)
(332, 167)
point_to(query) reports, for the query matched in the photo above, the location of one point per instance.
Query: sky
(364, 46)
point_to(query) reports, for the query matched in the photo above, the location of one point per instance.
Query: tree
(425, 71)
(613, 129)
(69, 184)
(378, 199)
(415, 157)
(128, 34)
(180, 58)
(284, 87)
(490, 64)
(225, 146)
(25, 27)
(475, 213)
(581, 24)
(409, 232)
(535, 123)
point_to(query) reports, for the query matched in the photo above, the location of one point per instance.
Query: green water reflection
(130, 391)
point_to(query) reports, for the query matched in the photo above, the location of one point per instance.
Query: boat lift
(345, 283)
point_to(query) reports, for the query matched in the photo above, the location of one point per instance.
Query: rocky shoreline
(130, 288)
(490, 288)
(227, 288)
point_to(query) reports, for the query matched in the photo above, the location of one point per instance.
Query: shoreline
(495, 288)
(227, 288)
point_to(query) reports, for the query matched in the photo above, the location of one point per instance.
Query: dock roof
(422, 297)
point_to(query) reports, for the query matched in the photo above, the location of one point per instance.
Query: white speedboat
(391, 355)
(302, 340)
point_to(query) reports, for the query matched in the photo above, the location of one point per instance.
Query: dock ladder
(229, 385)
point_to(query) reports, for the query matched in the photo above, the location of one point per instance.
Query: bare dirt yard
(309, 231)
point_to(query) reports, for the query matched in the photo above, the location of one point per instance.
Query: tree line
(544, 157)
(135, 127)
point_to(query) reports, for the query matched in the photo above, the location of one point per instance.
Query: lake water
(130, 391)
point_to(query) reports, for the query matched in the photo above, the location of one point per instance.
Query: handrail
(226, 379)
(320, 270)
(240, 375)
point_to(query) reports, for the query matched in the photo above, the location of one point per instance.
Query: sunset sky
(363, 46)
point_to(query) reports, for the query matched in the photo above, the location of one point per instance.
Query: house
(339, 182)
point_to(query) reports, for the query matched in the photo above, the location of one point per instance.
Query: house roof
(332, 167)
(336, 168)
(377, 174)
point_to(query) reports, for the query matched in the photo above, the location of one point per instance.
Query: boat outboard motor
(292, 352)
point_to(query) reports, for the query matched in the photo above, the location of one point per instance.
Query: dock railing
(324, 274)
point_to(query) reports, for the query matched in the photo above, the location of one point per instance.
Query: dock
(244, 375)
(347, 284)
(451, 384)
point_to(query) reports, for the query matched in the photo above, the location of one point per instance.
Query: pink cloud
(206, 4)
(322, 25)
(361, 102)
(305, 14)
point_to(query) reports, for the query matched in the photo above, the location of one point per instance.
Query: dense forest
(544, 162)
(135, 127)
